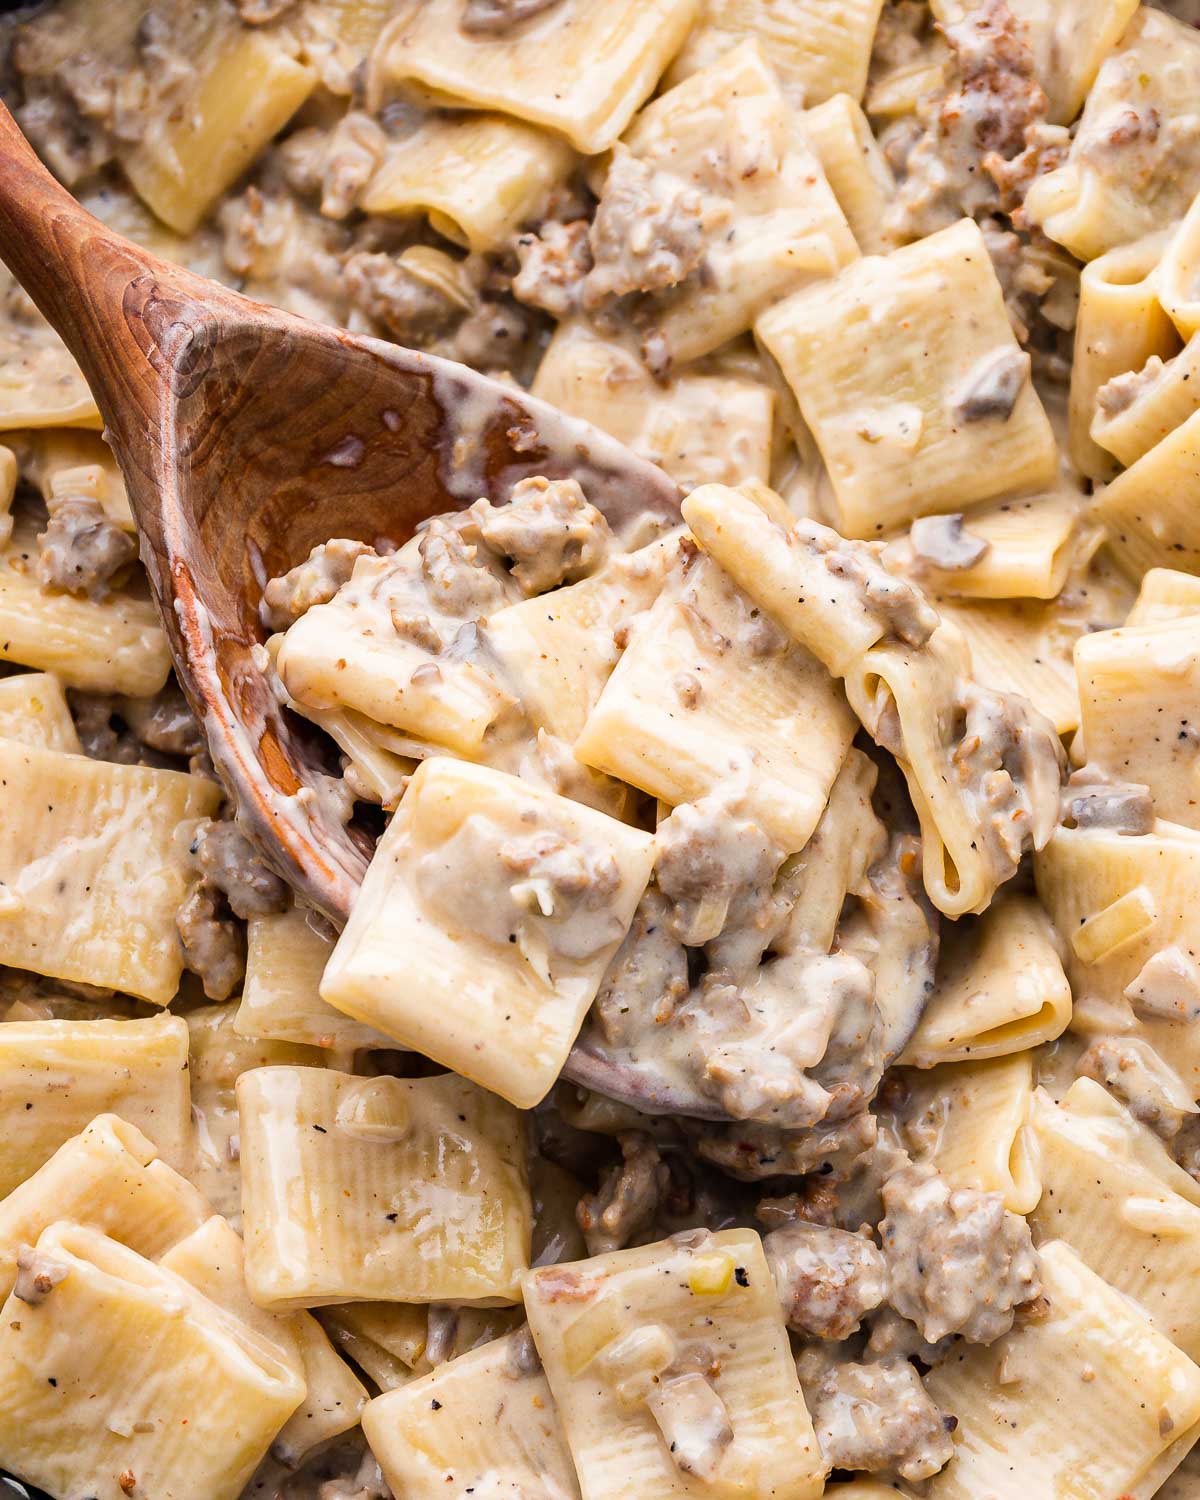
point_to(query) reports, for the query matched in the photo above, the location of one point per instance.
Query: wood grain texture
(246, 436)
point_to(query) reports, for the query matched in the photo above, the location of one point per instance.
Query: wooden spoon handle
(75, 268)
(126, 316)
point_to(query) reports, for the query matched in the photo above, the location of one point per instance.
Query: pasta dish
(762, 1061)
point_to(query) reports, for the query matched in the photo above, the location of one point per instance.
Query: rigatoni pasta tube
(159, 1358)
(339, 1177)
(1120, 325)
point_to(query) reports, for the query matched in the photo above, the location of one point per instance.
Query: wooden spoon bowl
(247, 435)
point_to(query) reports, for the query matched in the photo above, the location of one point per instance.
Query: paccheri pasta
(763, 1059)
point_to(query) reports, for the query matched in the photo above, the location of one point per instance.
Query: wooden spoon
(248, 435)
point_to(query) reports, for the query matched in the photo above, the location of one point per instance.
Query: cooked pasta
(762, 1058)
